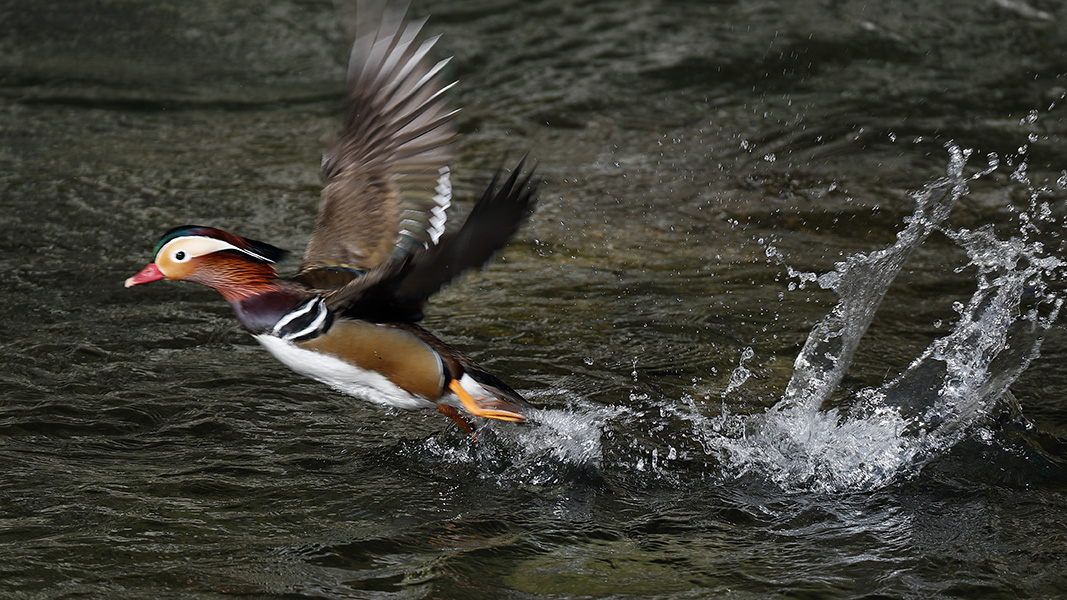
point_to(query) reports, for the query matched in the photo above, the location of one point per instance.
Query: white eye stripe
(198, 245)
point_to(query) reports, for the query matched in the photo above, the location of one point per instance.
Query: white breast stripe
(314, 325)
(295, 314)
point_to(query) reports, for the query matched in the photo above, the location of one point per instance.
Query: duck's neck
(257, 296)
(236, 292)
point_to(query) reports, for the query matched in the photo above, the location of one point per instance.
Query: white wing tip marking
(443, 199)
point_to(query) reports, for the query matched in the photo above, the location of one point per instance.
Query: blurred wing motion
(387, 178)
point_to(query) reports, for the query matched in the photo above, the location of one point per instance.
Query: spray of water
(861, 283)
(891, 431)
(557, 445)
(960, 376)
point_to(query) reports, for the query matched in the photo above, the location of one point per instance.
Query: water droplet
(1044, 212)
(588, 361)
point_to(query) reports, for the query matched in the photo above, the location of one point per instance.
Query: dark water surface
(705, 161)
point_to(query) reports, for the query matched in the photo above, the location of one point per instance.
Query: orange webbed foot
(474, 408)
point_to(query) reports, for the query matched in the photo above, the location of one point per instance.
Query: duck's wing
(493, 220)
(400, 287)
(387, 179)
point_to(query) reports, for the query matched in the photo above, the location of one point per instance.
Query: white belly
(341, 376)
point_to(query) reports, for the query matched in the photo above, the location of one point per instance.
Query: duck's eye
(179, 255)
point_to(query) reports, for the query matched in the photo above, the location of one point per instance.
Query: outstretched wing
(387, 179)
(396, 290)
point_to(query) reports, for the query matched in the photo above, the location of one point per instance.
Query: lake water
(789, 306)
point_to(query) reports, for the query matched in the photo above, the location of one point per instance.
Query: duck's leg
(452, 413)
(475, 409)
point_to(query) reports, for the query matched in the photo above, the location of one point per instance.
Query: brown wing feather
(387, 175)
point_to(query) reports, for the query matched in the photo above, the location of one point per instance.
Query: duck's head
(210, 257)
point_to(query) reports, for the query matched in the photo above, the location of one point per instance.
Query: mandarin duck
(379, 250)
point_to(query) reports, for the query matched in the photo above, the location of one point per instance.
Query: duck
(380, 248)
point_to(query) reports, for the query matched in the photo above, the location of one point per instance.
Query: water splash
(893, 430)
(958, 378)
(861, 282)
(557, 446)
(740, 374)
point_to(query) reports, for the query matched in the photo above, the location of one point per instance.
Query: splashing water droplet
(740, 375)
